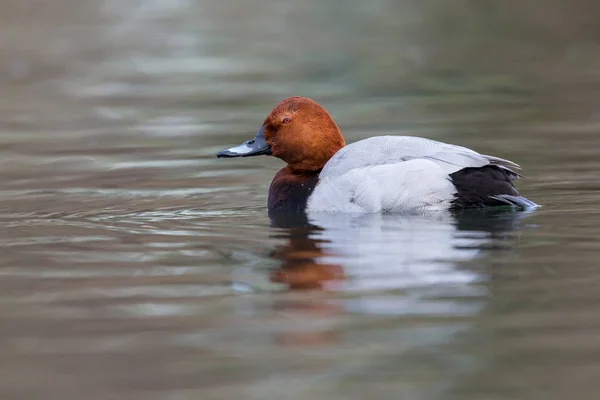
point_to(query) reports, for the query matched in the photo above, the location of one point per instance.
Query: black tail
(488, 186)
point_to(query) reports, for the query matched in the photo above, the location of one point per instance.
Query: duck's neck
(290, 190)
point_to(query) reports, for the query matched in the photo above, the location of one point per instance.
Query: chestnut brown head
(298, 131)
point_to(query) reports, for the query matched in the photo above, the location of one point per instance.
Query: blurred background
(136, 265)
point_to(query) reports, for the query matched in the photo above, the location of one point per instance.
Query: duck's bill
(255, 147)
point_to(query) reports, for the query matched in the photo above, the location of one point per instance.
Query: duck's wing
(384, 150)
(407, 174)
(413, 186)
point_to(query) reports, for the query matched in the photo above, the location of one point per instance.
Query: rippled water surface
(136, 265)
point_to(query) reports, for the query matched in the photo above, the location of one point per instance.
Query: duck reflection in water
(390, 266)
(387, 265)
(389, 252)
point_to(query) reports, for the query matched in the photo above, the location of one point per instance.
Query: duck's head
(298, 131)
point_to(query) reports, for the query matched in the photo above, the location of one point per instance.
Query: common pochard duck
(402, 174)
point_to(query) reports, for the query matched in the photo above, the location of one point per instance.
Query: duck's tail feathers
(506, 165)
(516, 201)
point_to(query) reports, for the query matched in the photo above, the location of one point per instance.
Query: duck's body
(412, 175)
(380, 174)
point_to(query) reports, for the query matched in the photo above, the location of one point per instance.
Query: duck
(380, 174)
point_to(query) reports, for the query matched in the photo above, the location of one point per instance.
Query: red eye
(286, 121)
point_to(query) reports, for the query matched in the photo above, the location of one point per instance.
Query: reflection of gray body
(417, 255)
(412, 272)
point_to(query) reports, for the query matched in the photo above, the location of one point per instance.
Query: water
(136, 265)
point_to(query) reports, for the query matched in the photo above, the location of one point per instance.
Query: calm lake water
(136, 265)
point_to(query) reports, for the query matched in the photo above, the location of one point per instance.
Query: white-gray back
(381, 150)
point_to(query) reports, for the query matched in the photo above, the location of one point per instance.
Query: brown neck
(290, 190)
(314, 153)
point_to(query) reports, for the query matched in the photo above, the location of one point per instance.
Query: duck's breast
(289, 192)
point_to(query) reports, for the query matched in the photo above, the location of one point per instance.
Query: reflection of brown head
(299, 267)
(302, 133)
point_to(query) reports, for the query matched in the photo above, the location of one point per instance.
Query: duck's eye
(286, 121)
